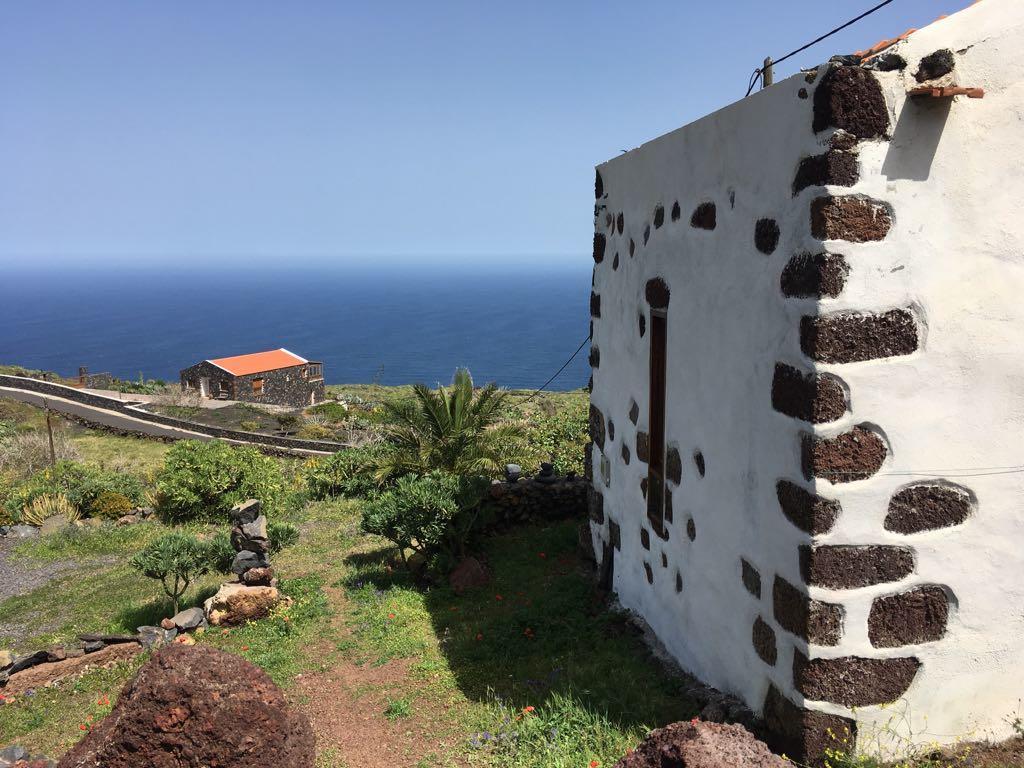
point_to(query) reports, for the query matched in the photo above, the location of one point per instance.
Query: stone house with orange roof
(275, 377)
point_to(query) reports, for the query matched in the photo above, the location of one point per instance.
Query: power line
(564, 366)
(759, 72)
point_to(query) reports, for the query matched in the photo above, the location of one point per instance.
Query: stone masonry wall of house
(283, 386)
(841, 267)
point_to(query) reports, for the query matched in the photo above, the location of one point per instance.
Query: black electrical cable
(564, 366)
(759, 72)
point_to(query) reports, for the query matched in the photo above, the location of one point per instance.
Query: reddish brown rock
(815, 621)
(928, 507)
(852, 681)
(854, 218)
(196, 706)
(850, 566)
(814, 275)
(704, 216)
(853, 455)
(835, 168)
(804, 735)
(817, 398)
(916, 616)
(848, 337)
(811, 514)
(701, 744)
(238, 603)
(850, 98)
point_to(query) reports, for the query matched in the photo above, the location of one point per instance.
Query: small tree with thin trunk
(176, 560)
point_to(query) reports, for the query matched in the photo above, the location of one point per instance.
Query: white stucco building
(808, 390)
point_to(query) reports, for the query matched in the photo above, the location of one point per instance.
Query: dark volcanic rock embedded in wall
(927, 507)
(595, 357)
(620, 223)
(530, 499)
(852, 681)
(597, 433)
(935, 65)
(659, 216)
(849, 566)
(595, 305)
(812, 397)
(643, 447)
(850, 98)
(598, 185)
(852, 217)
(676, 211)
(751, 578)
(814, 275)
(595, 504)
(704, 216)
(766, 236)
(815, 621)
(674, 465)
(834, 168)
(599, 246)
(853, 455)
(763, 638)
(916, 616)
(801, 734)
(847, 337)
(811, 514)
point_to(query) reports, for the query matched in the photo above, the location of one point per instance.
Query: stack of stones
(545, 496)
(249, 538)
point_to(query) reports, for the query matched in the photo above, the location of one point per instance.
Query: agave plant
(455, 429)
(46, 506)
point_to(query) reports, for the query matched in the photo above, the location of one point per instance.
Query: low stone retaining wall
(532, 499)
(117, 406)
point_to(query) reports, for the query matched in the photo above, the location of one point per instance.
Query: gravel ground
(18, 577)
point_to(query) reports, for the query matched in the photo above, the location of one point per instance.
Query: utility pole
(767, 75)
(49, 430)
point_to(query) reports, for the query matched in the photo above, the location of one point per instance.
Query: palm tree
(454, 429)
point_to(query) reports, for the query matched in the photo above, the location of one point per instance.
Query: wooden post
(49, 430)
(767, 75)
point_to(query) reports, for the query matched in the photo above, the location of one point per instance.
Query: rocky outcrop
(699, 744)
(197, 706)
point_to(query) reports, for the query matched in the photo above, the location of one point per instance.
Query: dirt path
(18, 577)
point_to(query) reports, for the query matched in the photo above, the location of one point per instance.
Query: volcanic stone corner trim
(815, 398)
(674, 465)
(751, 578)
(763, 637)
(643, 447)
(599, 246)
(850, 98)
(814, 275)
(625, 454)
(815, 621)
(648, 572)
(835, 168)
(595, 356)
(642, 321)
(928, 507)
(854, 681)
(855, 218)
(598, 185)
(588, 461)
(850, 566)
(848, 337)
(657, 293)
(802, 734)
(704, 216)
(597, 426)
(854, 455)
(595, 304)
(595, 505)
(614, 534)
(935, 65)
(916, 616)
(766, 236)
(811, 514)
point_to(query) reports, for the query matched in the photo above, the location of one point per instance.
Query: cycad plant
(453, 429)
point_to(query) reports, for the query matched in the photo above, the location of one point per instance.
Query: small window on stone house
(257, 386)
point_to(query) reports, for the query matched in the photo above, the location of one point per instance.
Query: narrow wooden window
(656, 465)
(257, 386)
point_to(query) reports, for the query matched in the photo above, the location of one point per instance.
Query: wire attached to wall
(759, 72)
(564, 366)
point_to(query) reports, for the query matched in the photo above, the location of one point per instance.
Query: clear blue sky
(266, 127)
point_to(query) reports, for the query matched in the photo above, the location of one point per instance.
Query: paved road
(119, 420)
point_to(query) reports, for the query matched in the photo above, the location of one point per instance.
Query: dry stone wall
(843, 329)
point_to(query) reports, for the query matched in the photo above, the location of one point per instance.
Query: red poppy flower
(391, 615)
(543, 554)
(594, 764)
(479, 636)
(498, 597)
(245, 647)
(527, 709)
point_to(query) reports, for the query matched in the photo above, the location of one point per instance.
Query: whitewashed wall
(951, 173)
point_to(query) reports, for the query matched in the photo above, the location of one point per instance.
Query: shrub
(315, 432)
(346, 473)
(221, 553)
(81, 483)
(287, 421)
(432, 514)
(555, 433)
(176, 559)
(332, 412)
(249, 426)
(46, 506)
(203, 481)
(110, 505)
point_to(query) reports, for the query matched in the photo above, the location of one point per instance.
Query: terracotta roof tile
(257, 362)
(882, 45)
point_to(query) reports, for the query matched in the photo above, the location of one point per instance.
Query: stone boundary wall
(531, 499)
(119, 406)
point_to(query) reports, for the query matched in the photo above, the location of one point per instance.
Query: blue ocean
(391, 321)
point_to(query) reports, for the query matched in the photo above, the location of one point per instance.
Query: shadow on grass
(539, 630)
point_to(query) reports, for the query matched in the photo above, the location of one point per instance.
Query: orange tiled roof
(881, 45)
(257, 362)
